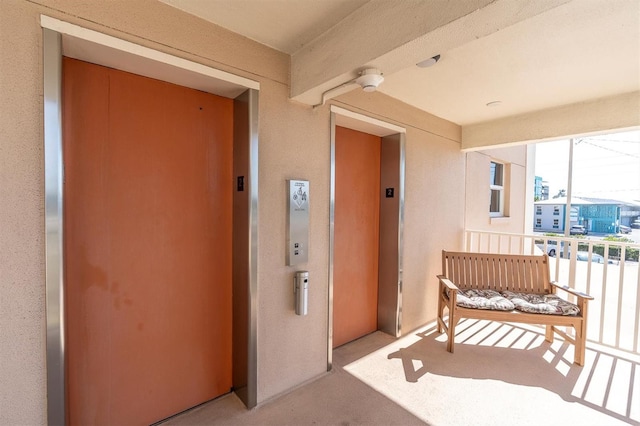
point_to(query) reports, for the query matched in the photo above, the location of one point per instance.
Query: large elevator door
(147, 245)
(356, 234)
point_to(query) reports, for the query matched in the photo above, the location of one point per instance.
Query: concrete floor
(499, 374)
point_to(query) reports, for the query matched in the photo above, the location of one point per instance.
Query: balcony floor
(499, 374)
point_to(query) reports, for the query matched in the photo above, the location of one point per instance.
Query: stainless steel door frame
(392, 165)
(245, 248)
(52, 35)
(54, 274)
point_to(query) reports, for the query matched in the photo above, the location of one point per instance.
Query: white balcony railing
(606, 270)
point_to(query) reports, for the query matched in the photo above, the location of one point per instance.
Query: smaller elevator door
(356, 235)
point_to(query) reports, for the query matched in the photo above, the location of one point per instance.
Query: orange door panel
(147, 227)
(356, 235)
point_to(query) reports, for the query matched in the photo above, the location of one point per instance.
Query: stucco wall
(294, 143)
(291, 349)
(22, 316)
(477, 190)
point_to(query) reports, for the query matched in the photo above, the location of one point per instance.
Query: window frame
(500, 189)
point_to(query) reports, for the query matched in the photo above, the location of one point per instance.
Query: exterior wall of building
(628, 214)
(477, 190)
(541, 192)
(549, 217)
(538, 188)
(604, 218)
(294, 143)
(600, 218)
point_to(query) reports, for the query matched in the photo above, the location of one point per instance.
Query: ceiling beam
(393, 35)
(620, 112)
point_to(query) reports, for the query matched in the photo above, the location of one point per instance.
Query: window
(556, 210)
(538, 209)
(538, 223)
(496, 186)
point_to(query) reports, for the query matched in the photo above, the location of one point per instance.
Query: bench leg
(549, 334)
(581, 336)
(451, 332)
(440, 312)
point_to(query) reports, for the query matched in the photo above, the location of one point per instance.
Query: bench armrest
(572, 291)
(447, 283)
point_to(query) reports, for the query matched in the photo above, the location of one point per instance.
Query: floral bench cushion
(483, 299)
(541, 303)
(509, 300)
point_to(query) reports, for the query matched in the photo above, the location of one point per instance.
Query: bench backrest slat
(500, 272)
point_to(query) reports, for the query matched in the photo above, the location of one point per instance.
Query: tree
(561, 193)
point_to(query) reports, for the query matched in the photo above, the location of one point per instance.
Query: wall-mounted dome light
(370, 79)
(429, 62)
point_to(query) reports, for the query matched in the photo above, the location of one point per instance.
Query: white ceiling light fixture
(370, 79)
(429, 62)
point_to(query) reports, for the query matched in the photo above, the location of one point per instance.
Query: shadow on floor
(517, 355)
(499, 374)
(335, 398)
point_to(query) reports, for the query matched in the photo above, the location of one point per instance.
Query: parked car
(625, 229)
(636, 224)
(583, 256)
(578, 230)
(552, 248)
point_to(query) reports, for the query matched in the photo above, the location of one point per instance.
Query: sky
(604, 166)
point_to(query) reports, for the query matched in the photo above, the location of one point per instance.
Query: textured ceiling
(569, 54)
(574, 51)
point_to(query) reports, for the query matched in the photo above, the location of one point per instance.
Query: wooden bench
(506, 272)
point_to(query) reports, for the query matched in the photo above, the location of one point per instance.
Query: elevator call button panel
(297, 222)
